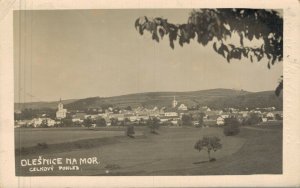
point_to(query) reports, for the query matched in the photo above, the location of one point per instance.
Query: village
(176, 114)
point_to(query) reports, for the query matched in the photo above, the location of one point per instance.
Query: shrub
(88, 122)
(130, 131)
(153, 124)
(186, 119)
(43, 145)
(100, 122)
(278, 117)
(231, 127)
(253, 119)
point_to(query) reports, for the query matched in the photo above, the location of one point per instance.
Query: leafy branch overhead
(218, 25)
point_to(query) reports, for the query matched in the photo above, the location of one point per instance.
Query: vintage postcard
(149, 92)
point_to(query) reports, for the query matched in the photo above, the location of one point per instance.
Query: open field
(26, 137)
(171, 152)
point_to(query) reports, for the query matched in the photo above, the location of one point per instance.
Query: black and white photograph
(148, 92)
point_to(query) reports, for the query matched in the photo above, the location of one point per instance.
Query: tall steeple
(61, 112)
(60, 104)
(174, 103)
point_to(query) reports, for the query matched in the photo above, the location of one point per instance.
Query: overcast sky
(72, 54)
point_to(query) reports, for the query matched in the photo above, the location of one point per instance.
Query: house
(119, 117)
(182, 107)
(195, 123)
(174, 122)
(77, 120)
(143, 117)
(133, 118)
(171, 114)
(212, 113)
(37, 122)
(220, 121)
(244, 113)
(270, 116)
(50, 122)
(224, 116)
(78, 117)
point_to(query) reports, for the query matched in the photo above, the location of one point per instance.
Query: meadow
(171, 152)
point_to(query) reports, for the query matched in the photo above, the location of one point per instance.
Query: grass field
(171, 152)
(31, 136)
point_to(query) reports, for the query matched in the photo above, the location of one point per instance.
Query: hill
(41, 105)
(251, 100)
(215, 98)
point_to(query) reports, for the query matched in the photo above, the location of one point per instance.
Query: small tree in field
(186, 119)
(130, 131)
(231, 126)
(208, 143)
(100, 122)
(153, 124)
(88, 122)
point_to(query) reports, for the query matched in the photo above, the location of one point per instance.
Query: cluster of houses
(171, 115)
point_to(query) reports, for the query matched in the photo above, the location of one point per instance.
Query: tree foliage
(252, 119)
(130, 131)
(100, 122)
(208, 143)
(44, 123)
(218, 25)
(66, 122)
(186, 119)
(88, 122)
(153, 124)
(114, 121)
(231, 126)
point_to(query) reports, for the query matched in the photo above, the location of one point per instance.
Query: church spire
(174, 103)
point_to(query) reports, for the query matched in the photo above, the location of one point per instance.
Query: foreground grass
(261, 154)
(171, 153)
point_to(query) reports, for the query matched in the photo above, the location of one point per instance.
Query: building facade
(61, 112)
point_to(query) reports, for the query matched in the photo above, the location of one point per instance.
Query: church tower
(174, 103)
(61, 112)
(60, 105)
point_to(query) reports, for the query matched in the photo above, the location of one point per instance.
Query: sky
(72, 54)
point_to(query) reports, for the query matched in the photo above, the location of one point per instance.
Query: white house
(270, 115)
(224, 116)
(77, 120)
(170, 114)
(50, 122)
(220, 121)
(36, 122)
(174, 122)
(182, 107)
